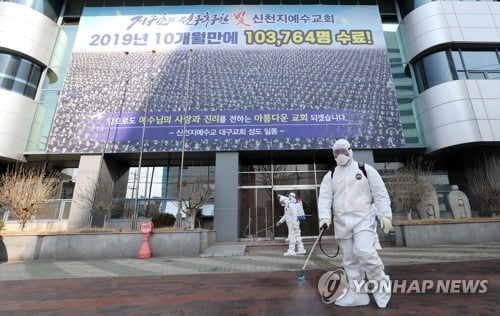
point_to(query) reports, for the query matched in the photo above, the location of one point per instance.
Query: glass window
(18, 87)
(24, 69)
(34, 75)
(476, 75)
(461, 75)
(493, 75)
(4, 62)
(324, 167)
(457, 60)
(11, 66)
(294, 167)
(19, 75)
(433, 70)
(467, 64)
(256, 168)
(6, 83)
(437, 68)
(293, 178)
(481, 60)
(49, 95)
(163, 182)
(158, 189)
(255, 178)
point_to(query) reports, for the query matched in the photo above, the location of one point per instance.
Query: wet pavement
(260, 282)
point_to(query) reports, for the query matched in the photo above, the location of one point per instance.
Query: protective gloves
(281, 221)
(324, 222)
(385, 224)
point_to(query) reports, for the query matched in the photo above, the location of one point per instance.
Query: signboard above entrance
(227, 78)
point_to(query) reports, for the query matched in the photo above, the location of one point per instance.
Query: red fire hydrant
(145, 228)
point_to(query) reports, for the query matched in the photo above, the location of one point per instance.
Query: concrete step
(328, 243)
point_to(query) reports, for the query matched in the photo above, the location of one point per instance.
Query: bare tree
(484, 183)
(408, 185)
(22, 190)
(194, 203)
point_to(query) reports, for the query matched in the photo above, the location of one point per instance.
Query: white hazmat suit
(350, 194)
(292, 222)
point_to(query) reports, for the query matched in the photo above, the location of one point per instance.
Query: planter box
(421, 234)
(105, 245)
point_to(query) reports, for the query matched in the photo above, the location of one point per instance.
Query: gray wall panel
(447, 113)
(492, 109)
(444, 93)
(443, 22)
(226, 196)
(25, 30)
(31, 33)
(495, 128)
(489, 89)
(452, 134)
(88, 175)
(485, 130)
(478, 106)
(460, 111)
(16, 117)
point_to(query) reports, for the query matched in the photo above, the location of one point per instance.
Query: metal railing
(56, 209)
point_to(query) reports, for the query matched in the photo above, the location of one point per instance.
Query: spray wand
(301, 276)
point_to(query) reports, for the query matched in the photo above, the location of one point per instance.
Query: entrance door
(307, 194)
(256, 219)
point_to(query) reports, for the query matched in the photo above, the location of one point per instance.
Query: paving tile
(264, 293)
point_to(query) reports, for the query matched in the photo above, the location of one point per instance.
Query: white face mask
(342, 160)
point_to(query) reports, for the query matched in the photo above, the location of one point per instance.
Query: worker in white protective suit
(290, 216)
(350, 194)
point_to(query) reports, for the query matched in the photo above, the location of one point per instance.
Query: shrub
(163, 220)
(484, 182)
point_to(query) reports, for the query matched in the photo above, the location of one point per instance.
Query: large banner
(220, 78)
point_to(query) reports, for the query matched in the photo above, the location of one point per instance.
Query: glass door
(307, 194)
(256, 214)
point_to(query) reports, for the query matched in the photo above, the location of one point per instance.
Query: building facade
(102, 91)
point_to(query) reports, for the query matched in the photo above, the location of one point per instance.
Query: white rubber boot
(301, 250)
(290, 251)
(351, 298)
(383, 294)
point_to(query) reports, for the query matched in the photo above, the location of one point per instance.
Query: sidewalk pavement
(233, 258)
(229, 280)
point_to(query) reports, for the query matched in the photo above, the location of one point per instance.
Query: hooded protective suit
(351, 194)
(292, 222)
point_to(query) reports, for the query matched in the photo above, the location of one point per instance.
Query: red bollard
(145, 228)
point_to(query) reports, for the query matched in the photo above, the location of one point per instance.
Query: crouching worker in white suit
(352, 193)
(293, 224)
